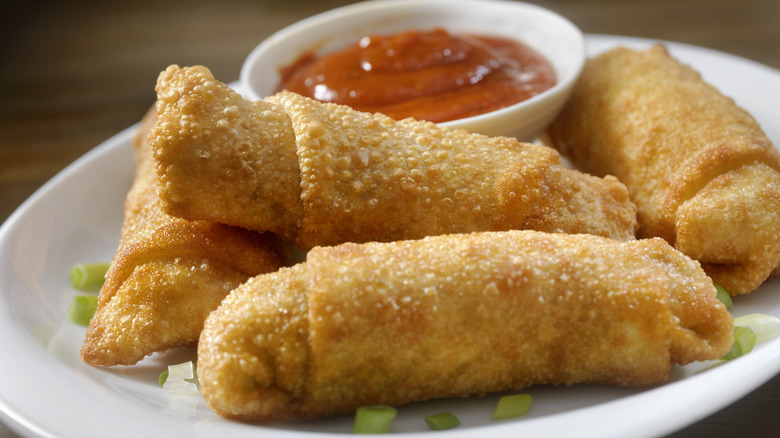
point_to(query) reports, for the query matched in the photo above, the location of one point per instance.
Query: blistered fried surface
(664, 132)
(737, 216)
(455, 315)
(363, 177)
(167, 274)
(577, 203)
(219, 155)
(254, 355)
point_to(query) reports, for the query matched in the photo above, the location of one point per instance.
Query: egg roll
(322, 174)
(456, 315)
(703, 174)
(168, 273)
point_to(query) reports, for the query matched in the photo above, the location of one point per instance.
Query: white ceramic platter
(45, 390)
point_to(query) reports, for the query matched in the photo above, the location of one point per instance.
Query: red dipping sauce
(429, 75)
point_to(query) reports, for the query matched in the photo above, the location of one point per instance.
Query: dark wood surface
(74, 73)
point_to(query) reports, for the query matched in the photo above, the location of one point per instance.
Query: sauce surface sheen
(428, 75)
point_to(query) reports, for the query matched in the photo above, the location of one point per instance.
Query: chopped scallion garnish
(180, 379)
(765, 326)
(723, 296)
(510, 406)
(442, 421)
(751, 330)
(374, 419)
(744, 341)
(181, 385)
(81, 309)
(162, 378)
(88, 276)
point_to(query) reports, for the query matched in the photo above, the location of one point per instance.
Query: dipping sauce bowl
(548, 33)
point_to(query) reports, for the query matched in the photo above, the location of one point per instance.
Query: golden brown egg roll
(323, 174)
(168, 273)
(702, 173)
(456, 315)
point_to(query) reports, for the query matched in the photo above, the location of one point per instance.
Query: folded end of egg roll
(168, 273)
(223, 158)
(573, 202)
(701, 171)
(732, 226)
(257, 367)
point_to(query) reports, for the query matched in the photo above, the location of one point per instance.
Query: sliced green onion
(81, 309)
(162, 378)
(181, 379)
(181, 385)
(750, 330)
(722, 295)
(182, 371)
(510, 406)
(764, 326)
(374, 419)
(744, 341)
(442, 421)
(88, 276)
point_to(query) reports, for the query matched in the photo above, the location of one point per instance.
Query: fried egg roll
(456, 315)
(702, 173)
(322, 174)
(168, 273)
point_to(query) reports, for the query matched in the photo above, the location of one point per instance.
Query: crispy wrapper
(323, 174)
(456, 315)
(168, 273)
(702, 173)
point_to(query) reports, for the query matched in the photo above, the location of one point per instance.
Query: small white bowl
(555, 37)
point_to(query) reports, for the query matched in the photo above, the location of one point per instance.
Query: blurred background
(74, 73)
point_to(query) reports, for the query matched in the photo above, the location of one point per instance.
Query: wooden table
(74, 73)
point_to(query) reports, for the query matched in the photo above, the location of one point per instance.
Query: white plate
(45, 390)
